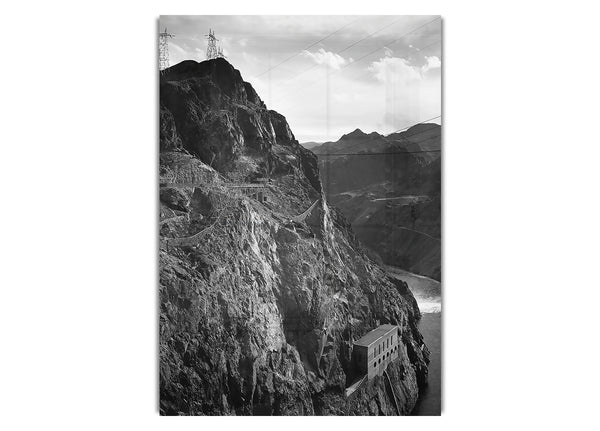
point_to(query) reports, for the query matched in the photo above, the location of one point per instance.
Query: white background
(78, 316)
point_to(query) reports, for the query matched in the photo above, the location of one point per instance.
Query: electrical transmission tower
(163, 50)
(212, 51)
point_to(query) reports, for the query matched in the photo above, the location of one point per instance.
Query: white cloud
(318, 108)
(408, 94)
(432, 63)
(394, 69)
(333, 60)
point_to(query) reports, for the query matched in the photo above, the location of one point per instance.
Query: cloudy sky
(327, 74)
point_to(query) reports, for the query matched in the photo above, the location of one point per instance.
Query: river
(430, 401)
(427, 292)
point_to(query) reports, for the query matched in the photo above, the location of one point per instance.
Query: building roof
(374, 335)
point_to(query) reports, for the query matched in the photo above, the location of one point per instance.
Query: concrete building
(375, 350)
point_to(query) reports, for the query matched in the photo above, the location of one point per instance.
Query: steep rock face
(169, 139)
(258, 312)
(259, 318)
(223, 122)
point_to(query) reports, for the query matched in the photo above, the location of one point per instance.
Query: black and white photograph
(300, 215)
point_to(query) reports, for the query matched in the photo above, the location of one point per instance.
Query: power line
(378, 154)
(344, 49)
(368, 72)
(392, 42)
(308, 47)
(360, 58)
(368, 36)
(427, 46)
(416, 124)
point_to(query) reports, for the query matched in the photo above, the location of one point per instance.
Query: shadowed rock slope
(389, 187)
(258, 312)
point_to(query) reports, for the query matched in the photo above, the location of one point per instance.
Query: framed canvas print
(300, 215)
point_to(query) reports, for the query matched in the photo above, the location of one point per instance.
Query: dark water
(429, 403)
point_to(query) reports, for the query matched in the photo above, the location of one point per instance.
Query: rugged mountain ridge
(418, 139)
(208, 110)
(259, 307)
(353, 142)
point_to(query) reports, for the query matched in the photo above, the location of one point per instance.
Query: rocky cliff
(259, 308)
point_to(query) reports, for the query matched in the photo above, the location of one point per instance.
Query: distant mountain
(309, 145)
(356, 141)
(418, 138)
(389, 187)
(422, 139)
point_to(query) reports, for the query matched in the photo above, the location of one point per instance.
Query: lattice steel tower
(211, 49)
(163, 50)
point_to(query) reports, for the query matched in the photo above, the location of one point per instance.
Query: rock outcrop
(258, 312)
